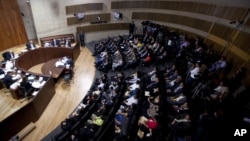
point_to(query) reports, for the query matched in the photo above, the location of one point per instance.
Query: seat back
(22, 91)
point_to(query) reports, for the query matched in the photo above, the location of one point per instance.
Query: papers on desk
(37, 84)
(59, 64)
(15, 85)
(2, 76)
(34, 93)
(17, 76)
(31, 77)
(147, 93)
(62, 62)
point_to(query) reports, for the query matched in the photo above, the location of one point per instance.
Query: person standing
(30, 45)
(131, 28)
(81, 37)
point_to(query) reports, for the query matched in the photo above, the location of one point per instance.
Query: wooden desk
(50, 66)
(42, 55)
(29, 112)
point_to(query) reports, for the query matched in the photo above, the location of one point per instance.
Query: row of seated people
(127, 113)
(150, 116)
(104, 95)
(22, 84)
(124, 53)
(178, 120)
(137, 117)
(205, 98)
(58, 43)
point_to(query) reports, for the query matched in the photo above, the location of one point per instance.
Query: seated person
(147, 126)
(96, 120)
(2, 73)
(220, 92)
(68, 73)
(67, 43)
(30, 45)
(131, 100)
(55, 43)
(146, 60)
(8, 55)
(47, 44)
(7, 80)
(177, 100)
(26, 85)
(219, 65)
(153, 107)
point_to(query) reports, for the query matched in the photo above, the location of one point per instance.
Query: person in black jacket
(30, 45)
(7, 80)
(26, 85)
(8, 55)
(81, 38)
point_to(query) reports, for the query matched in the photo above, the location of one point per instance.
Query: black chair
(68, 75)
(25, 94)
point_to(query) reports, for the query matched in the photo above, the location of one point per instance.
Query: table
(50, 69)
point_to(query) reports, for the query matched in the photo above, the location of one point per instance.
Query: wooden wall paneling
(222, 31)
(248, 22)
(89, 18)
(186, 6)
(216, 47)
(202, 8)
(225, 12)
(74, 20)
(103, 27)
(230, 13)
(235, 60)
(181, 20)
(242, 41)
(83, 8)
(12, 28)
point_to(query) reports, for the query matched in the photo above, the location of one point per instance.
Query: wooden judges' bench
(62, 38)
(31, 112)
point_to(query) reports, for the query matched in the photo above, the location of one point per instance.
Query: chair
(68, 74)
(24, 93)
(6, 91)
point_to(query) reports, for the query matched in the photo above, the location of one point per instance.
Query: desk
(50, 67)
(36, 84)
(30, 112)
(42, 55)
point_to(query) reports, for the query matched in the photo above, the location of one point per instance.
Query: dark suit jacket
(68, 43)
(55, 43)
(29, 47)
(7, 80)
(8, 55)
(25, 84)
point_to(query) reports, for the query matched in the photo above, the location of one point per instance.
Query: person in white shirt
(131, 100)
(220, 92)
(195, 71)
(194, 74)
(219, 65)
(134, 86)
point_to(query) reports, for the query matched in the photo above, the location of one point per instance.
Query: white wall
(50, 15)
